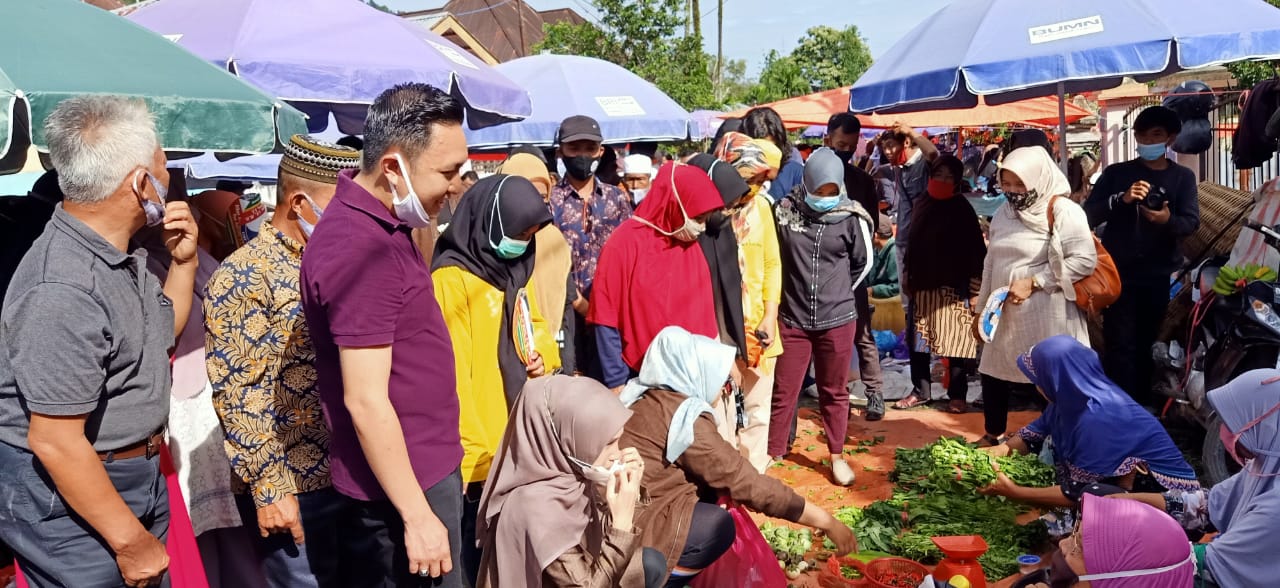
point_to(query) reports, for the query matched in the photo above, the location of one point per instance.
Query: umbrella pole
(1062, 126)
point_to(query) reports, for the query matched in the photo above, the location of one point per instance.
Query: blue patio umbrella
(1011, 50)
(627, 107)
(1008, 50)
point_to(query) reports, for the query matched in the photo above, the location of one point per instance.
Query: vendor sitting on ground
(883, 281)
(1119, 543)
(1244, 509)
(1103, 442)
(672, 427)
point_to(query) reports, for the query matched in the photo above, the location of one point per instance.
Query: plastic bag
(749, 563)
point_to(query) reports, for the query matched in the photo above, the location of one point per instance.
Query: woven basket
(1222, 210)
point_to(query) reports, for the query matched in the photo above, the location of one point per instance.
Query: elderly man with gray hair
(84, 357)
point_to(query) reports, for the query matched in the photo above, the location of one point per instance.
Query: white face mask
(638, 194)
(689, 231)
(308, 228)
(597, 474)
(409, 210)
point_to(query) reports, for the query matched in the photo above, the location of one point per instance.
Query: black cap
(579, 128)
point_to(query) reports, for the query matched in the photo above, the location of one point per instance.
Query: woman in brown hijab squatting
(560, 504)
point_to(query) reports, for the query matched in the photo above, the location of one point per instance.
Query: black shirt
(22, 220)
(1140, 247)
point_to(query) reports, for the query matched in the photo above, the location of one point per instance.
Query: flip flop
(957, 407)
(909, 402)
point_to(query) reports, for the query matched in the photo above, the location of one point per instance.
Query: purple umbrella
(332, 56)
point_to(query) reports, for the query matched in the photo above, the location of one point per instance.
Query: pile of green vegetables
(936, 495)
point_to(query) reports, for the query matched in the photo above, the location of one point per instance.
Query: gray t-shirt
(86, 330)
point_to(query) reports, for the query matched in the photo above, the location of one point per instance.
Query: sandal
(911, 401)
(957, 407)
(989, 441)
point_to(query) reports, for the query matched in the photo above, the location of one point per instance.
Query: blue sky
(753, 27)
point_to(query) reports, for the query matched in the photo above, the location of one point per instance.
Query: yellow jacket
(473, 312)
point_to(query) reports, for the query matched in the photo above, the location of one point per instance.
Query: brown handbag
(1101, 288)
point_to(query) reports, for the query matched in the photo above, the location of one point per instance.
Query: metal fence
(1214, 165)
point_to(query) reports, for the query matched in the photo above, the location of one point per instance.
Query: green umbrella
(51, 50)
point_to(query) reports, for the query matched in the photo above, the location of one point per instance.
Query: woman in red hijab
(652, 274)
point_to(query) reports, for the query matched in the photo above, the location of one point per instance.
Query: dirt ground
(804, 471)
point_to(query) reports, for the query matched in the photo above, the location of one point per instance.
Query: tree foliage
(1248, 73)
(824, 58)
(641, 35)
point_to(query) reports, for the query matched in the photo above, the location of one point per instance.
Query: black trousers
(711, 534)
(995, 402)
(864, 346)
(375, 540)
(1129, 328)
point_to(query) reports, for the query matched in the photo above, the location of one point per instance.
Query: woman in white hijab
(1033, 266)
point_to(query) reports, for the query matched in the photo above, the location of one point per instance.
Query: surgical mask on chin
(153, 210)
(308, 228)
(409, 209)
(1152, 152)
(506, 248)
(822, 203)
(597, 474)
(1062, 576)
(689, 231)
(638, 194)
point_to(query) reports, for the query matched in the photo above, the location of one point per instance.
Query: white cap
(638, 165)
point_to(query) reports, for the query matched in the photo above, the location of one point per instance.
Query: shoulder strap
(1053, 201)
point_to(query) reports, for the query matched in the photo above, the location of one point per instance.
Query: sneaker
(875, 407)
(841, 473)
(811, 391)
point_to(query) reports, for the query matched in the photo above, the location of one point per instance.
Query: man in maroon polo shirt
(384, 361)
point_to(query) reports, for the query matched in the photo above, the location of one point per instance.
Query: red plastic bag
(749, 563)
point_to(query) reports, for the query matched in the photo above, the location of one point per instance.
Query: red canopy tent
(816, 109)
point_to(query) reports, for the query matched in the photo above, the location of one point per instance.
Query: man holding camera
(1148, 205)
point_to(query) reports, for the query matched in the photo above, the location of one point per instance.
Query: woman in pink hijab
(1121, 544)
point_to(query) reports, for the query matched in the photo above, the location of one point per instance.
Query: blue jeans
(53, 545)
(315, 563)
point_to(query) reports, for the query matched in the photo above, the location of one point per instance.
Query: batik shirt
(262, 365)
(587, 225)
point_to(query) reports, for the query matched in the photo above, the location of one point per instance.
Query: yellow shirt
(473, 311)
(761, 268)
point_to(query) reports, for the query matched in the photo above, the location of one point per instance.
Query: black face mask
(580, 167)
(845, 156)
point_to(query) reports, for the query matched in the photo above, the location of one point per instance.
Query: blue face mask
(822, 203)
(1151, 152)
(511, 248)
(507, 248)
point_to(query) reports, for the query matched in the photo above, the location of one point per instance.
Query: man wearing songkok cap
(261, 362)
